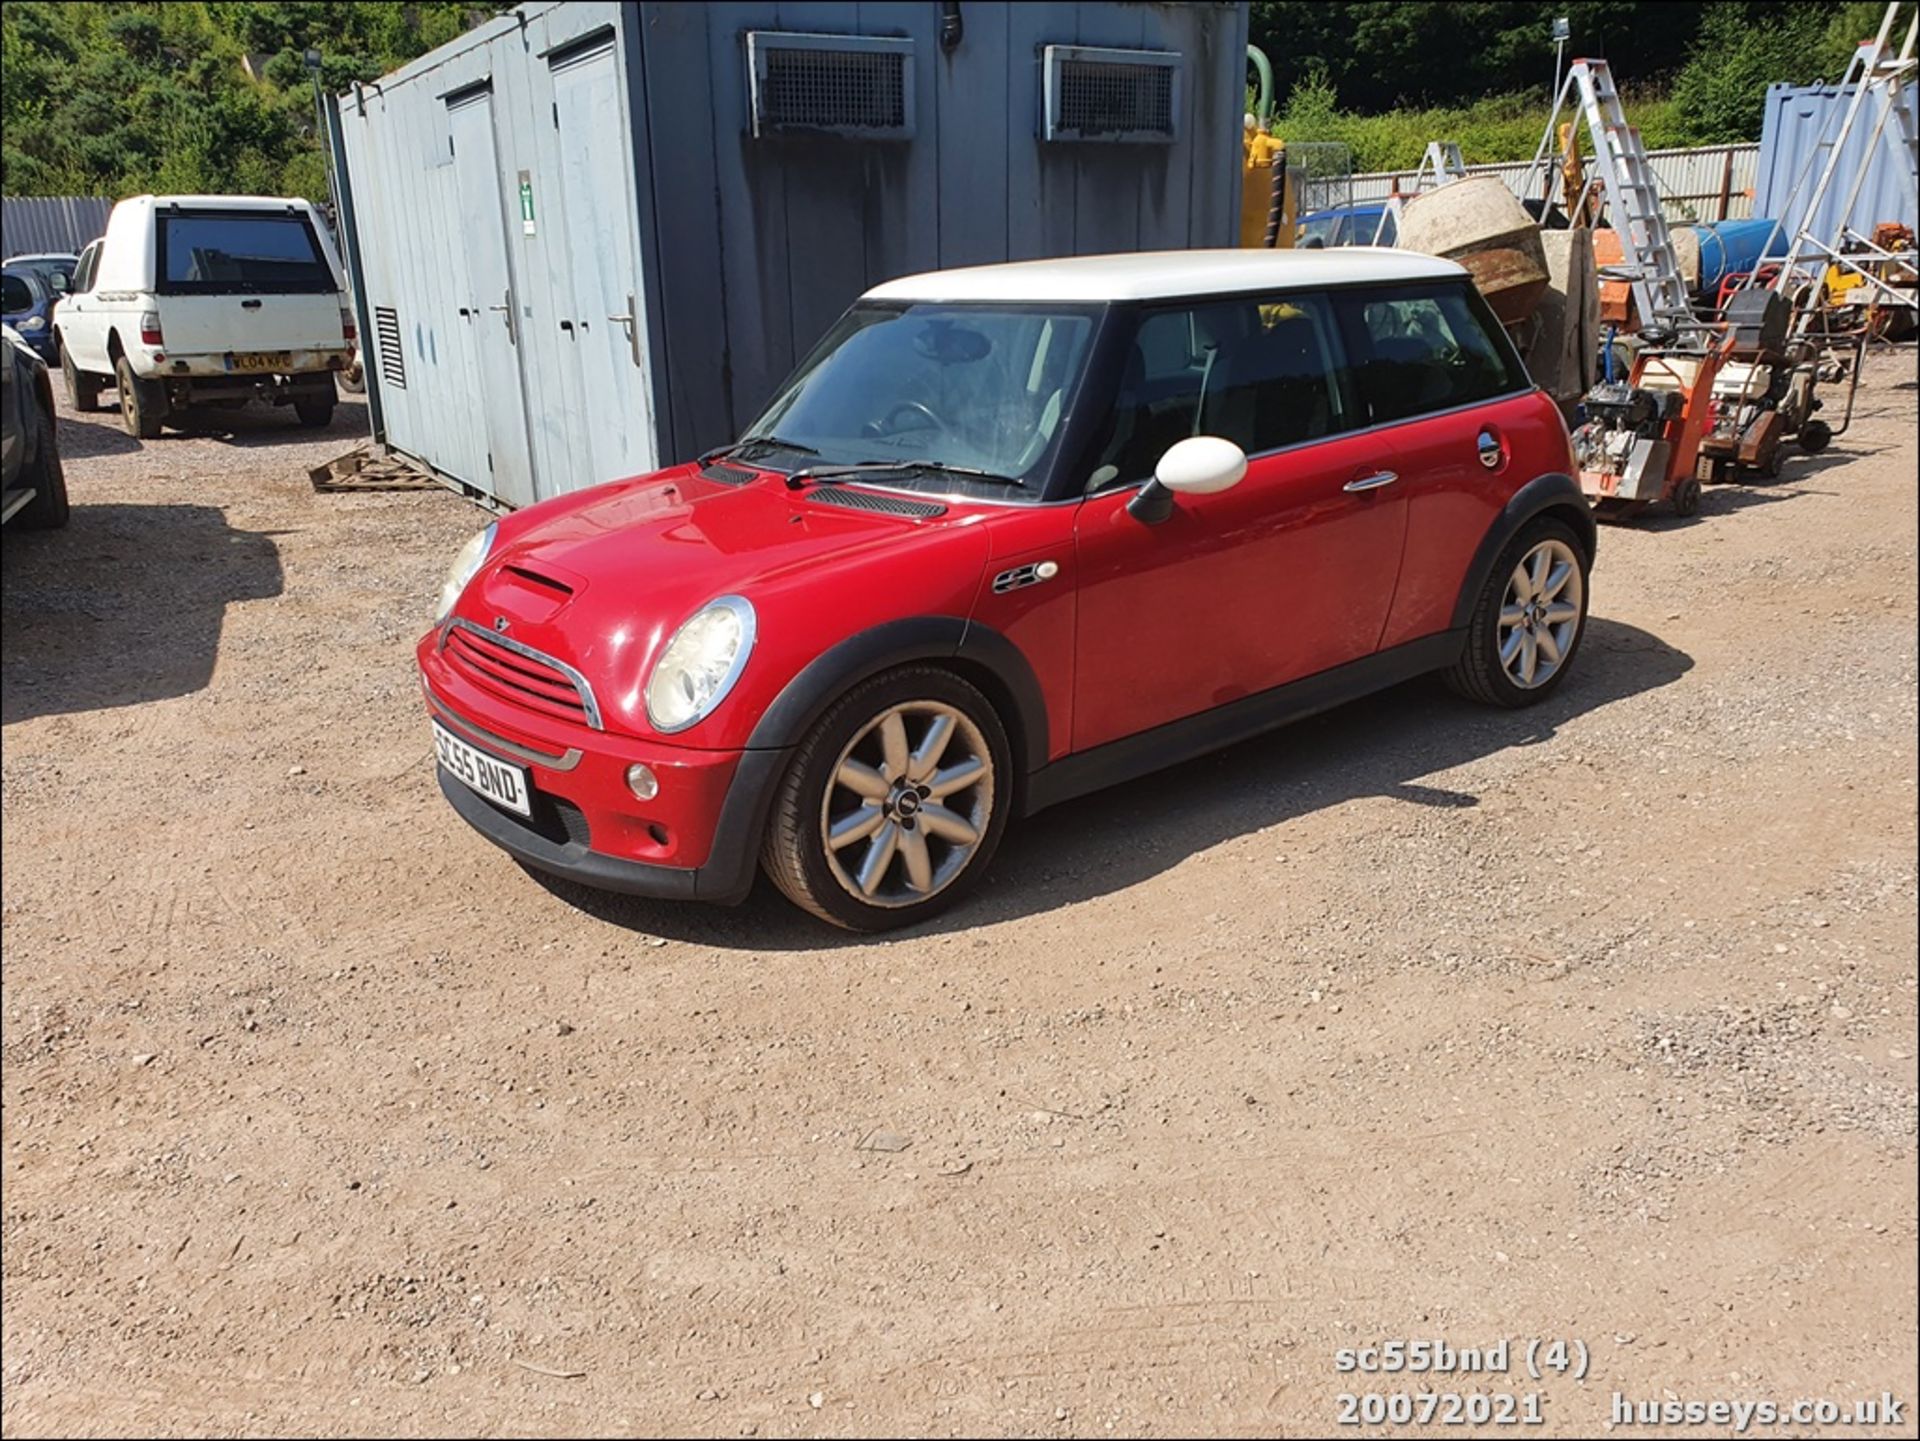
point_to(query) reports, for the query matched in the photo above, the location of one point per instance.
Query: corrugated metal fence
(1711, 183)
(57, 224)
(1799, 118)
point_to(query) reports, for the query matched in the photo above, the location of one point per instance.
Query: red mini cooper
(1008, 535)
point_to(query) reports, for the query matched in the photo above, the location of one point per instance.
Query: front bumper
(698, 839)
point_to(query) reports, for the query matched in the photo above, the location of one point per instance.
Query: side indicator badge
(1025, 575)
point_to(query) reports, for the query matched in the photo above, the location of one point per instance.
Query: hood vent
(867, 500)
(727, 474)
(543, 582)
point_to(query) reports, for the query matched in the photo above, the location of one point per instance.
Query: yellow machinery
(1269, 196)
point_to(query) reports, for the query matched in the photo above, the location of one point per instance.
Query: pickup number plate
(262, 360)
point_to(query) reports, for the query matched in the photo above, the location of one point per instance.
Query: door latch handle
(506, 314)
(249, 305)
(633, 331)
(1371, 482)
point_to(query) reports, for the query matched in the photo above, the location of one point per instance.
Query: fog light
(644, 784)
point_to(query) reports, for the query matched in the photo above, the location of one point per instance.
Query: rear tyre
(1527, 624)
(83, 390)
(315, 411)
(143, 404)
(1686, 500)
(894, 804)
(48, 509)
(1815, 436)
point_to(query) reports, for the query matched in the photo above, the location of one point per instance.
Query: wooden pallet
(367, 468)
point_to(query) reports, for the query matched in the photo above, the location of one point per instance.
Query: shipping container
(589, 239)
(1802, 122)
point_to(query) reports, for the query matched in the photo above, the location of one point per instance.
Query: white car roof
(1166, 274)
(223, 202)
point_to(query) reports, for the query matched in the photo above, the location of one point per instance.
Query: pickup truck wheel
(48, 508)
(894, 803)
(143, 404)
(315, 411)
(1528, 622)
(83, 390)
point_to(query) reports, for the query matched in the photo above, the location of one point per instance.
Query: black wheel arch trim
(900, 642)
(1541, 494)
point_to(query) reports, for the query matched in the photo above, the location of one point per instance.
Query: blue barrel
(1734, 247)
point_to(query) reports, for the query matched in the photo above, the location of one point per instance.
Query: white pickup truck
(206, 299)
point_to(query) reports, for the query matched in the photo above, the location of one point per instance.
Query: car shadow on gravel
(1381, 746)
(90, 436)
(123, 606)
(258, 424)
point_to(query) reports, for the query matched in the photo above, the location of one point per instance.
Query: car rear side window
(15, 294)
(229, 252)
(1427, 348)
(1262, 371)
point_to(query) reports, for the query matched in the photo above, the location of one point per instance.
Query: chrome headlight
(700, 664)
(472, 556)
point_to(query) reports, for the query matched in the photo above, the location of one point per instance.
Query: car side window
(15, 294)
(1427, 348)
(83, 272)
(1263, 372)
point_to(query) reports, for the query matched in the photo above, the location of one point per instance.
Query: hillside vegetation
(115, 99)
(1386, 78)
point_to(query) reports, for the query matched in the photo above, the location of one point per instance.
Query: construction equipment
(1764, 396)
(1625, 181)
(1640, 443)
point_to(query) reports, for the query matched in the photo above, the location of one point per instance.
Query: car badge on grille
(500, 623)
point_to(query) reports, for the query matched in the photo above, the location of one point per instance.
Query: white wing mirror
(1198, 465)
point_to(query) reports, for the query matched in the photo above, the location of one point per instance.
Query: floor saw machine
(1708, 402)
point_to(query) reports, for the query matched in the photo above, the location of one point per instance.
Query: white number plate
(496, 780)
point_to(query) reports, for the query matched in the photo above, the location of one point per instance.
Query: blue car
(1348, 225)
(28, 307)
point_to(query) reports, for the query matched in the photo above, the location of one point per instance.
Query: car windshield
(972, 387)
(1329, 228)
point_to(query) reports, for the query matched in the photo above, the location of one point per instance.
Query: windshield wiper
(869, 467)
(752, 442)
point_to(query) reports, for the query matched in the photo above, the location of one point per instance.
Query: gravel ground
(1595, 1022)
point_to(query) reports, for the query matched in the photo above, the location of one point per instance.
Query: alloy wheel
(1540, 616)
(908, 804)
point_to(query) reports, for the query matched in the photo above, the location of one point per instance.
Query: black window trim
(162, 214)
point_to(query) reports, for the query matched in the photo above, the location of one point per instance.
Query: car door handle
(1371, 482)
(249, 305)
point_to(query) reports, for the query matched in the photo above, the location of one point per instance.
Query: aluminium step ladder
(1878, 80)
(1625, 177)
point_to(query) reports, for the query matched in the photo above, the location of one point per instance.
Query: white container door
(615, 437)
(490, 309)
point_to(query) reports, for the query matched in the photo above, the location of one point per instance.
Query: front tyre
(83, 390)
(894, 804)
(48, 509)
(1528, 622)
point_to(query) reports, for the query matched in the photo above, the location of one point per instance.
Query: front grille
(867, 500)
(515, 676)
(558, 822)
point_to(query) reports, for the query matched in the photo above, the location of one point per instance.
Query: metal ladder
(1621, 169)
(1873, 71)
(1441, 163)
